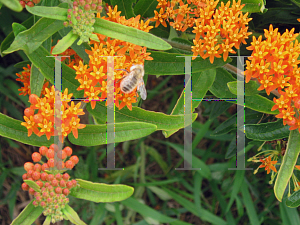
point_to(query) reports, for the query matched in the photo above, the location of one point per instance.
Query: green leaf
(28, 215)
(201, 82)
(227, 126)
(249, 205)
(56, 13)
(93, 135)
(33, 185)
(267, 131)
(219, 87)
(47, 64)
(13, 129)
(69, 212)
(161, 120)
(36, 81)
(12, 4)
(64, 43)
(47, 220)
(145, 8)
(260, 104)
(22, 64)
(98, 192)
(10, 38)
(79, 49)
(236, 186)
(129, 34)
(32, 38)
(125, 6)
(256, 102)
(254, 6)
(173, 64)
(190, 206)
(17, 28)
(294, 200)
(250, 88)
(288, 164)
(147, 211)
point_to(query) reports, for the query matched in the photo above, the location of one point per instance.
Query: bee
(134, 79)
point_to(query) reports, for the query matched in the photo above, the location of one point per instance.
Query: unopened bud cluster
(53, 187)
(30, 3)
(82, 17)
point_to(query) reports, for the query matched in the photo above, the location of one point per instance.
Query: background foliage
(212, 195)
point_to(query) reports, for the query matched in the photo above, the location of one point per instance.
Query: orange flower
(268, 164)
(276, 63)
(93, 77)
(217, 30)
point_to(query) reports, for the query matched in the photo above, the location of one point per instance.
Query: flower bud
(66, 176)
(28, 166)
(28, 112)
(66, 191)
(44, 176)
(25, 187)
(50, 177)
(36, 175)
(50, 153)
(33, 99)
(36, 157)
(38, 118)
(45, 167)
(37, 167)
(43, 150)
(69, 164)
(74, 159)
(40, 183)
(51, 163)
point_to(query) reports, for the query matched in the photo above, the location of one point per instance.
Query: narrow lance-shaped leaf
(36, 80)
(12, 4)
(10, 38)
(56, 13)
(93, 135)
(40, 58)
(294, 200)
(129, 34)
(70, 213)
(164, 63)
(65, 43)
(161, 120)
(288, 164)
(98, 192)
(125, 6)
(201, 82)
(79, 49)
(254, 6)
(12, 128)
(255, 102)
(145, 8)
(32, 38)
(250, 88)
(28, 215)
(18, 28)
(267, 131)
(33, 185)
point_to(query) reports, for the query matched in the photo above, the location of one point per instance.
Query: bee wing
(142, 89)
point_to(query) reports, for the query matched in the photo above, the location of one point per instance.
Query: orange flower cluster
(274, 62)
(268, 164)
(24, 77)
(51, 187)
(93, 77)
(42, 122)
(217, 30)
